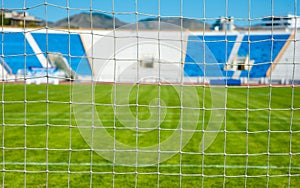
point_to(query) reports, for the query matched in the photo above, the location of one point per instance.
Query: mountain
(173, 23)
(83, 20)
(104, 21)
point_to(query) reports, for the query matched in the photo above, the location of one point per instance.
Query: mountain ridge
(104, 21)
(83, 20)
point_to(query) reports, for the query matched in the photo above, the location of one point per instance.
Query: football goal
(157, 93)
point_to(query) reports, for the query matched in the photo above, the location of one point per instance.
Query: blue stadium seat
(225, 82)
(69, 45)
(17, 52)
(244, 74)
(215, 50)
(263, 51)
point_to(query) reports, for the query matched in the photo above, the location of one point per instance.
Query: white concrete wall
(117, 56)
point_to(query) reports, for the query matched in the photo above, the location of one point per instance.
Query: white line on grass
(145, 165)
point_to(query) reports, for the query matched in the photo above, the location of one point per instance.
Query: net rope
(44, 127)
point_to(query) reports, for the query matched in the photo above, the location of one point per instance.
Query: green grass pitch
(258, 144)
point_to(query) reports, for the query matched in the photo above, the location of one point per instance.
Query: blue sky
(210, 9)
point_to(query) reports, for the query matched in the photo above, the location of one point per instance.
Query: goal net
(150, 93)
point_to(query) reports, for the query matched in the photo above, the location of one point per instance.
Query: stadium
(166, 107)
(236, 57)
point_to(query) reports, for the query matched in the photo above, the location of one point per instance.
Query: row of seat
(18, 54)
(215, 51)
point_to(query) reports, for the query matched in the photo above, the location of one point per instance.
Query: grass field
(258, 144)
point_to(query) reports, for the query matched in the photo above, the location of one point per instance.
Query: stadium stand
(263, 50)
(17, 53)
(206, 56)
(216, 50)
(69, 45)
(215, 55)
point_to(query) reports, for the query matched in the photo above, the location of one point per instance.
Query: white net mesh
(149, 94)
